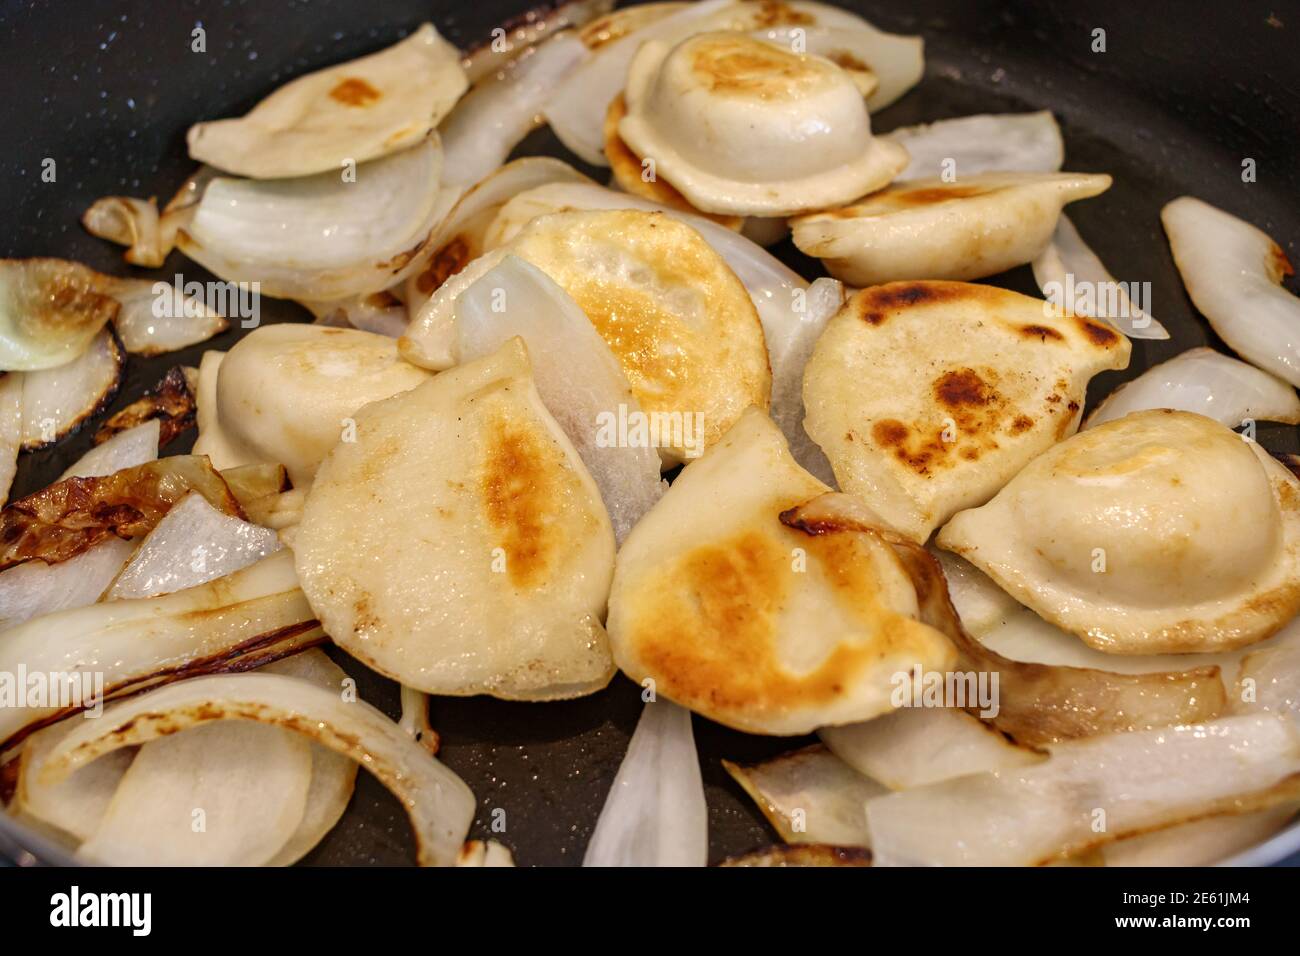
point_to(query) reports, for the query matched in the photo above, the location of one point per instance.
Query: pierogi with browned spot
(682, 326)
(932, 229)
(459, 545)
(927, 397)
(743, 614)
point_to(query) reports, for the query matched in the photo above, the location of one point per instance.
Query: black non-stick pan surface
(1181, 96)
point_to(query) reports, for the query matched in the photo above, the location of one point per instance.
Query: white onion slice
(576, 111)
(156, 317)
(333, 775)
(918, 746)
(1269, 678)
(440, 805)
(1204, 381)
(131, 641)
(58, 401)
(1069, 273)
(502, 109)
(50, 312)
(227, 794)
(1200, 843)
(655, 814)
(1233, 273)
(576, 374)
(193, 543)
(527, 30)
(11, 429)
(810, 796)
(126, 449)
(351, 112)
(209, 765)
(789, 346)
(321, 237)
(1124, 783)
(75, 805)
(984, 143)
(35, 588)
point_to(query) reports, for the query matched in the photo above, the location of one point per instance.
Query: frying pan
(1174, 105)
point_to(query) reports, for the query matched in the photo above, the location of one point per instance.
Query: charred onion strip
(69, 516)
(171, 402)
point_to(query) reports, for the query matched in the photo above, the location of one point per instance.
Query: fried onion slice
(69, 516)
(440, 805)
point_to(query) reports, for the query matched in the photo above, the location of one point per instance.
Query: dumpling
(637, 177)
(927, 397)
(744, 126)
(458, 545)
(932, 229)
(1161, 532)
(680, 323)
(349, 113)
(286, 393)
(734, 608)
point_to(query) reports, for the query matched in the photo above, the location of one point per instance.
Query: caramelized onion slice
(1201, 842)
(810, 796)
(484, 853)
(1068, 263)
(171, 402)
(69, 516)
(134, 223)
(532, 27)
(58, 401)
(1091, 793)
(131, 643)
(50, 312)
(440, 805)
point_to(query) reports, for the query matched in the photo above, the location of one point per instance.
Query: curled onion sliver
(440, 805)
